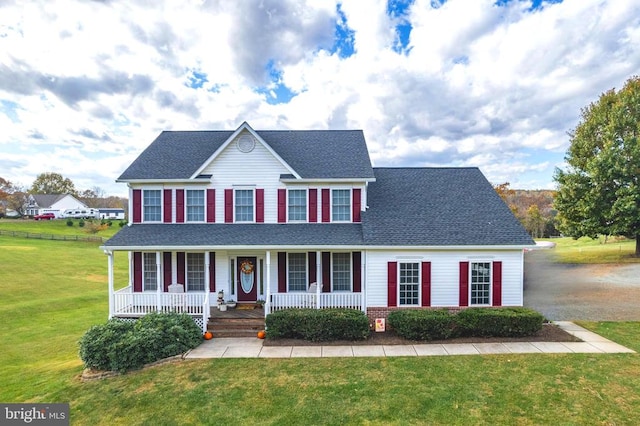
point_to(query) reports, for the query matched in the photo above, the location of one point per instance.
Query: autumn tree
(12, 196)
(506, 193)
(53, 183)
(599, 191)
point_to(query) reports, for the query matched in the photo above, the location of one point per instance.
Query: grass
(54, 227)
(53, 291)
(587, 250)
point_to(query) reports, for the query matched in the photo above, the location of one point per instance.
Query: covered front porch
(196, 281)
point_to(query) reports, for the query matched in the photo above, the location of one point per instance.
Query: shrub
(122, 223)
(499, 322)
(318, 325)
(81, 223)
(122, 346)
(69, 222)
(423, 324)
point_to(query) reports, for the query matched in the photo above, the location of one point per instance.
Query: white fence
(279, 301)
(128, 303)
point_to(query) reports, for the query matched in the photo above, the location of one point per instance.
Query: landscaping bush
(318, 325)
(499, 322)
(122, 346)
(69, 222)
(81, 223)
(423, 324)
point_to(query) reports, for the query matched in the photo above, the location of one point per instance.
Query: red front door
(246, 282)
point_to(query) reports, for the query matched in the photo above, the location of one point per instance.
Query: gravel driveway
(566, 292)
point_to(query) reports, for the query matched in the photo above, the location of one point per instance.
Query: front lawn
(53, 291)
(587, 250)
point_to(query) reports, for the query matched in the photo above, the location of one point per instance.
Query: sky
(85, 86)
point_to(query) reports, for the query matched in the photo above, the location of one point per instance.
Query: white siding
(444, 274)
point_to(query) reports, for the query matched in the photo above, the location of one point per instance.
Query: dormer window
(244, 205)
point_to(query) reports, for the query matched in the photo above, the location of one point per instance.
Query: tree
(599, 192)
(506, 193)
(534, 223)
(53, 183)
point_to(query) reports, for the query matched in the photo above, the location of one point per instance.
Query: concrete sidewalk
(253, 348)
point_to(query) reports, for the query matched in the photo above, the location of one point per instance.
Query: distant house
(52, 203)
(302, 219)
(109, 213)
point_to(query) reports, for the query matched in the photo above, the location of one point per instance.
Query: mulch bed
(549, 333)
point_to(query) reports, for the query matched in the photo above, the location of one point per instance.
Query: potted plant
(222, 306)
(231, 303)
(259, 303)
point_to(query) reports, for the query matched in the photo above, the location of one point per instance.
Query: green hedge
(421, 324)
(427, 324)
(122, 346)
(318, 325)
(499, 322)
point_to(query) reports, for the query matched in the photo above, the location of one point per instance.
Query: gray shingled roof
(219, 234)
(438, 207)
(47, 200)
(315, 154)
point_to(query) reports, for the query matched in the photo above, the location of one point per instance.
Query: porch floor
(237, 313)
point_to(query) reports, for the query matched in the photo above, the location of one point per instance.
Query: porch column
(318, 278)
(267, 304)
(159, 281)
(110, 281)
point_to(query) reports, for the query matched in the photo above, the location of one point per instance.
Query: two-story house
(265, 215)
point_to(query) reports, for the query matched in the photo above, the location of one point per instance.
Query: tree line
(15, 196)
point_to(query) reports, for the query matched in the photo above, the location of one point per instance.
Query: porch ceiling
(208, 235)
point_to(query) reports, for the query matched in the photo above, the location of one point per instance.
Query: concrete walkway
(253, 348)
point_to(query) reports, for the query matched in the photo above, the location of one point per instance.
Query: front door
(247, 290)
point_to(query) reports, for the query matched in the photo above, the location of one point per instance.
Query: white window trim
(186, 272)
(490, 262)
(186, 214)
(306, 271)
(306, 212)
(419, 263)
(142, 208)
(350, 220)
(350, 273)
(144, 272)
(241, 188)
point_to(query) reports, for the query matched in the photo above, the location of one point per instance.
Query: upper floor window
(341, 274)
(297, 200)
(341, 205)
(195, 205)
(244, 205)
(195, 272)
(409, 283)
(480, 283)
(152, 205)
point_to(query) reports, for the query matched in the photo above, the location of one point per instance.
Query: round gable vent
(246, 143)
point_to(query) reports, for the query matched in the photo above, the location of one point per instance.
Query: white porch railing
(279, 301)
(128, 303)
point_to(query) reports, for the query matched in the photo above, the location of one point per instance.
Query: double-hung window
(244, 205)
(195, 272)
(341, 274)
(409, 284)
(152, 205)
(341, 205)
(195, 205)
(149, 272)
(480, 283)
(297, 272)
(297, 200)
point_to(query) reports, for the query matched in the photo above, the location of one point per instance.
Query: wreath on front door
(246, 267)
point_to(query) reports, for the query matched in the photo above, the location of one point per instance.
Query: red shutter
(211, 205)
(179, 205)
(228, 205)
(166, 268)
(311, 256)
(282, 272)
(464, 283)
(497, 284)
(357, 272)
(426, 283)
(180, 267)
(137, 271)
(355, 204)
(326, 205)
(392, 284)
(212, 272)
(326, 272)
(167, 206)
(137, 206)
(282, 205)
(259, 205)
(313, 205)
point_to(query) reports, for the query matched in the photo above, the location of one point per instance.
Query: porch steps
(236, 322)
